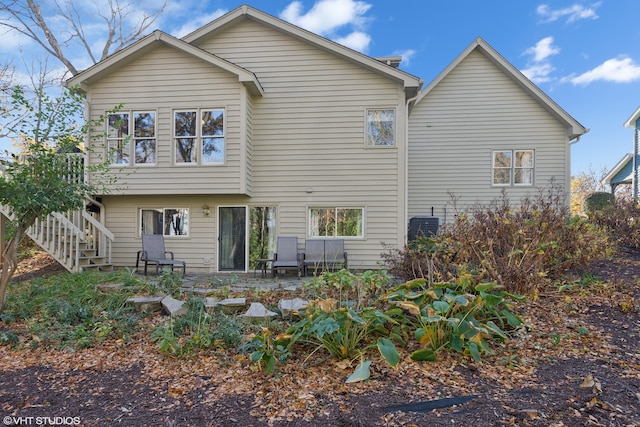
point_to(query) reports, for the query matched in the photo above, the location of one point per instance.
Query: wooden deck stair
(77, 240)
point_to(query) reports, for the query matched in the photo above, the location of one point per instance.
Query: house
(251, 128)
(627, 170)
(481, 127)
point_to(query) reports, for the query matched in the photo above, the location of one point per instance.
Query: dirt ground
(577, 364)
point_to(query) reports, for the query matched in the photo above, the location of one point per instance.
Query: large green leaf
(495, 329)
(423, 356)
(475, 351)
(441, 307)
(388, 351)
(512, 319)
(361, 373)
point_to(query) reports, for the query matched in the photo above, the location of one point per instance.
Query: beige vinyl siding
(453, 130)
(123, 220)
(300, 145)
(162, 81)
(308, 133)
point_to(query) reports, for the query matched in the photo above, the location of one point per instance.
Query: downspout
(406, 168)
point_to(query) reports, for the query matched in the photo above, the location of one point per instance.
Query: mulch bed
(577, 365)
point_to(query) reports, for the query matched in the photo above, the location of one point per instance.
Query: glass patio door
(232, 238)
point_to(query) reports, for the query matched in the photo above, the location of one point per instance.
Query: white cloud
(539, 68)
(539, 73)
(356, 40)
(10, 41)
(621, 70)
(573, 13)
(406, 55)
(327, 17)
(196, 22)
(543, 49)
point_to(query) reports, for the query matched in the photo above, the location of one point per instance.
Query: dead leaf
(588, 382)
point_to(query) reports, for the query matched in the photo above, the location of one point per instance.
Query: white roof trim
(244, 76)
(409, 81)
(631, 121)
(575, 129)
(617, 168)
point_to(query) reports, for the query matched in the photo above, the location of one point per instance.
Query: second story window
(381, 128)
(132, 135)
(199, 136)
(513, 167)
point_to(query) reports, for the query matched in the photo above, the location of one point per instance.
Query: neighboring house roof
(152, 41)
(631, 121)
(411, 83)
(574, 128)
(622, 172)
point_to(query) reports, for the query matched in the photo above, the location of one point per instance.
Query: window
(336, 222)
(166, 221)
(513, 167)
(199, 136)
(381, 128)
(123, 128)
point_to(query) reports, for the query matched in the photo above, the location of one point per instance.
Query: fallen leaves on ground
(576, 362)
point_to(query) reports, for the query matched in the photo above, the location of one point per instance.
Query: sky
(584, 54)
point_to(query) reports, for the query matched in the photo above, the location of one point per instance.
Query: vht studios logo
(41, 421)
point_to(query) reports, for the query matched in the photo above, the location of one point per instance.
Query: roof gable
(574, 128)
(411, 83)
(152, 41)
(631, 121)
(622, 172)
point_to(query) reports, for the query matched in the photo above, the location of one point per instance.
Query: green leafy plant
(462, 315)
(69, 311)
(269, 350)
(345, 333)
(197, 330)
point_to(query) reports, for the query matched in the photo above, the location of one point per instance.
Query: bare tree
(57, 26)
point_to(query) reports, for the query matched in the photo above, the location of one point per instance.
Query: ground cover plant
(69, 311)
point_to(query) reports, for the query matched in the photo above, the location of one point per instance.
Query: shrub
(598, 201)
(521, 246)
(425, 257)
(622, 221)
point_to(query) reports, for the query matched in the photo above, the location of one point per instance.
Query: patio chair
(313, 255)
(286, 256)
(334, 254)
(153, 252)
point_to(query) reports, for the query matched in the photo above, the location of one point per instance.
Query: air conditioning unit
(423, 226)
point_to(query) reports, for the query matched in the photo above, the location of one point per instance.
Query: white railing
(73, 236)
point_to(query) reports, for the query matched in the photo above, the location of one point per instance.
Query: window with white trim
(165, 221)
(336, 222)
(513, 167)
(381, 127)
(132, 131)
(199, 136)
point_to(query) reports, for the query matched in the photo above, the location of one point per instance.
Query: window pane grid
(199, 141)
(336, 222)
(165, 221)
(513, 167)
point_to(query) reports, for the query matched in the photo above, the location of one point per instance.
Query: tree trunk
(10, 256)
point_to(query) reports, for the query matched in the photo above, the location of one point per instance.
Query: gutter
(406, 169)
